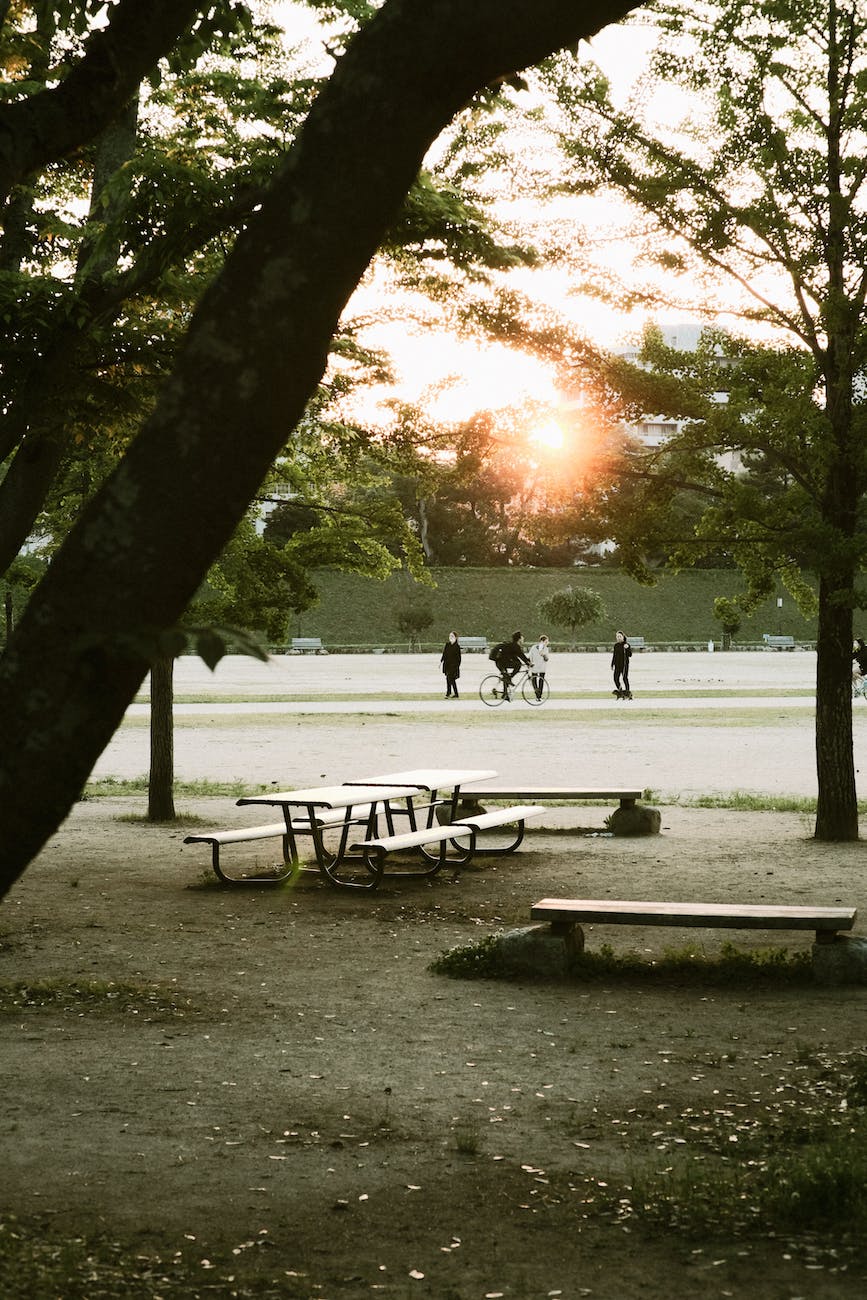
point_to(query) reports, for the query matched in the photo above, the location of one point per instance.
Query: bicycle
(491, 689)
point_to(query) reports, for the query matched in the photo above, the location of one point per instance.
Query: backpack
(495, 651)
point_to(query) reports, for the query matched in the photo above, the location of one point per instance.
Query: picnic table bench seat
(375, 851)
(564, 915)
(270, 830)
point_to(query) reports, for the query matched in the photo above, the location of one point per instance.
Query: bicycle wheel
(491, 690)
(528, 691)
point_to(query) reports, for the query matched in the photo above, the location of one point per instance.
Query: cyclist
(539, 664)
(508, 656)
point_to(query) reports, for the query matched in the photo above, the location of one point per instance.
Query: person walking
(539, 653)
(508, 656)
(620, 657)
(451, 663)
(859, 668)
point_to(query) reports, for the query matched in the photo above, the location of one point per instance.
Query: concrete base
(539, 950)
(637, 820)
(844, 961)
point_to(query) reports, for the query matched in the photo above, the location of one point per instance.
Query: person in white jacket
(539, 664)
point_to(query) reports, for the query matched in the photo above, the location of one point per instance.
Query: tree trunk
(161, 804)
(255, 351)
(837, 807)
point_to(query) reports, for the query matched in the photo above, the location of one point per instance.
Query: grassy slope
(495, 602)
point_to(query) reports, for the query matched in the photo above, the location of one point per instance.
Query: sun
(548, 436)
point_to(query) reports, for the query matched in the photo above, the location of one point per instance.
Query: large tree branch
(55, 122)
(36, 422)
(254, 354)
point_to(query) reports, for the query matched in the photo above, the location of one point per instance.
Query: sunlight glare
(548, 436)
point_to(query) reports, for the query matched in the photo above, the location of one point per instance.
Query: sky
(450, 377)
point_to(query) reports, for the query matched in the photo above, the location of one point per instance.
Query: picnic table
(433, 781)
(363, 802)
(312, 812)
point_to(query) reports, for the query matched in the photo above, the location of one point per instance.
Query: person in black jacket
(859, 668)
(508, 656)
(451, 662)
(859, 656)
(620, 657)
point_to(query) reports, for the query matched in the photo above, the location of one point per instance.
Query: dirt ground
(274, 1089)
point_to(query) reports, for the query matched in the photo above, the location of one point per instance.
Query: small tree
(573, 607)
(413, 616)
(729, 615)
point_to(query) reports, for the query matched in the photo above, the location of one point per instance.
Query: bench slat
(733, 916)
(460, 829)
(237, 836)
(413, 839)
(549, 792)
(300, 825)
(498, 818)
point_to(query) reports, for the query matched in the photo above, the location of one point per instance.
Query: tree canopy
(255, 350)
(761, 186)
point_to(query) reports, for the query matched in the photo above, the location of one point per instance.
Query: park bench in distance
(473, 642)
(564, 915)
(637, 642)
(307, 645)
(778, 642)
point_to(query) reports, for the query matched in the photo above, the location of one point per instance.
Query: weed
(480, 961)
(467, 1137)
(730, 966)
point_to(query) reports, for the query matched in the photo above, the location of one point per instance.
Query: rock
(637, 820)
(539, 950)
(466, 808)
(844, 961)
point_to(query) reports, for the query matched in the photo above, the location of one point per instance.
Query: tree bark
(256, 349)
(161, 780)
(837, 806)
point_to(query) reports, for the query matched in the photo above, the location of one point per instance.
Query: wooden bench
(375, 851)
(473, 642)
(778, 642)
(637, 642)
(561, 793)
(271, 830)
(564, 915)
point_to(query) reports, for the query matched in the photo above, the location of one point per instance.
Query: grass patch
(37, 1263)
(111, 787)
(794, 1164)
(481, 601)
(745, 801)
(731, 966)
(80, 997)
